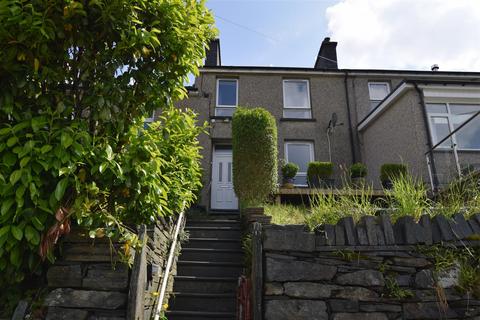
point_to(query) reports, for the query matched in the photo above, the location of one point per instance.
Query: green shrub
(322, 170)
(77, 79)
(289, 170)
(389, 171)
(254, 143)
(358, 170)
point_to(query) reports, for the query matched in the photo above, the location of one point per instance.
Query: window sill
(225, 118)
(447, 150)
(298, 119)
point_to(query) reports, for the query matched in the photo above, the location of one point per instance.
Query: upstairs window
(377, 91)
(227, 97)
(446, 117)
(296, 99)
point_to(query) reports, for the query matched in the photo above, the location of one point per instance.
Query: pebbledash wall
(343, 271)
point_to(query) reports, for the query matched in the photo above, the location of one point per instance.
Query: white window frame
(285, 107)
(378, 83)
(300, 173)
(217, 95)
(449, 115)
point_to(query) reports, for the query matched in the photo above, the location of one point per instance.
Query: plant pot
(327, 183)
(358, 182)
(314, 183)
(288, 183)
(387, 184)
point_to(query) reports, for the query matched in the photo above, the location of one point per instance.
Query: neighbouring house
(382, 116)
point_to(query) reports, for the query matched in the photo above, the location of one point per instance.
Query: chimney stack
(213, 58)
(327, 56)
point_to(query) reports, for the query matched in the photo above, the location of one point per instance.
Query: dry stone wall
(370, 270)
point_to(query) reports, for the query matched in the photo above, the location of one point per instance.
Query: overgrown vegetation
(286, 214)
(255, 154)
(76, 79)
(393, 290)
(408, 197)
(390, 171)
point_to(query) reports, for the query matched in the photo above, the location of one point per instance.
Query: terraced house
(425, 119)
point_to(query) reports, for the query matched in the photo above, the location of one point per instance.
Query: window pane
(378, 91)
(440, 130)
(300, 179)
(297, 113)
(296, 94)
(464, 109)
(299, 153)
(224, 112)
(468, 137)
(227, 92)
(374, 103)
(436, 108)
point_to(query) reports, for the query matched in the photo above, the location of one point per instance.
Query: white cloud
(406, 34)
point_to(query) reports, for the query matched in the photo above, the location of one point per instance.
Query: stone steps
(208, 269)
(205, 284)
(216, 243)
(199, 315)
(206, 302)
(218, 232)
(211, 254)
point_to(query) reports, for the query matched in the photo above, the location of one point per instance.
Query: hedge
(255, 153)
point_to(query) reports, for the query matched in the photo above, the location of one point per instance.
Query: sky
(371, 34)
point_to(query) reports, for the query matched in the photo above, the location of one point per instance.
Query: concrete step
(212, 223)
(209, 269)
(211, 254)
(199, 315)
(213, 243)
(205, 284)
(214, 232)
(206, 302)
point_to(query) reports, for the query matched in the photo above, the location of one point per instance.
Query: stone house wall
(350, 271)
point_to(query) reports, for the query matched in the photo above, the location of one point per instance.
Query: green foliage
(326, 208)
(389, 171)
(459, 196)
(76, 79)
(319, 169)
(393, 290)
(408, 197)
(254, 143)
(289, 170)
(286, 213)
(358, 170)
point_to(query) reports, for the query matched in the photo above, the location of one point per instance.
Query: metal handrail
(171, 256)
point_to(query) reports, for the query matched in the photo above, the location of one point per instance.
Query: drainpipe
(429, 138)
(350, 126)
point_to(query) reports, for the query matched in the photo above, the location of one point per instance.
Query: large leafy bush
(254, 143)
(76, 79)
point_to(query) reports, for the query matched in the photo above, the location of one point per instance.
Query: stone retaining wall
(88, 281)
(372, 270)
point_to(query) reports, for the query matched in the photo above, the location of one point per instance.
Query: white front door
(223, 196)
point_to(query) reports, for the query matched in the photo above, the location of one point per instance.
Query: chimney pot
(435, 67)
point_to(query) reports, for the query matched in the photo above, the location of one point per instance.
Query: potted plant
(289, 171)
(358, 172)
(390, 171)
(319, 174)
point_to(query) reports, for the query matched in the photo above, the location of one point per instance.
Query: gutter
(350, 126)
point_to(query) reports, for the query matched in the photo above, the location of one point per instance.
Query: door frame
(212, 189)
